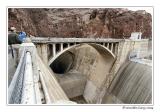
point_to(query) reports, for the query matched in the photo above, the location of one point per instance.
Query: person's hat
(13, 28)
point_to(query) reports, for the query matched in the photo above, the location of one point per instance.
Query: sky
(147, 9)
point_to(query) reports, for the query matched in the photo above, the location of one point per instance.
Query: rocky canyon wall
(80, 22)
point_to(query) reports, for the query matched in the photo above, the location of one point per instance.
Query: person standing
(13, 39)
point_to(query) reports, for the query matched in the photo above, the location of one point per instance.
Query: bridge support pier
(107, 45)
(116, 49)
(111, 47)
(68, 45)
(54, 49)
(61, 49)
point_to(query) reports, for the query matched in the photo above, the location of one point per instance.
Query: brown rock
(74, 22)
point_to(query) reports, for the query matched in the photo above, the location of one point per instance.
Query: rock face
(81, 22)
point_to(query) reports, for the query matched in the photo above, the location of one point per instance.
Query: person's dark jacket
(13, 38)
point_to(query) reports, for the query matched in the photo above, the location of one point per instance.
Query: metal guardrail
(15, 88)
(21, 89)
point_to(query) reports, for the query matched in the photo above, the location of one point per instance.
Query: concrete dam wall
(82, 70)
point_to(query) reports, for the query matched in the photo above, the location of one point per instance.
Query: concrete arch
(99, 47)
(92, 63)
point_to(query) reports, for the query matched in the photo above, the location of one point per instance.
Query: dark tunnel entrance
(63, 63)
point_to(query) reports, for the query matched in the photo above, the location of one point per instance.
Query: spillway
(132, 85)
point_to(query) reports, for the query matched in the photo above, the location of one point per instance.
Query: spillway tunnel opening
(63, 63)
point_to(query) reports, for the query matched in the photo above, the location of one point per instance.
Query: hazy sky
(148, 9)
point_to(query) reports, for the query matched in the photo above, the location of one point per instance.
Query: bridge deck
(73, 40)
